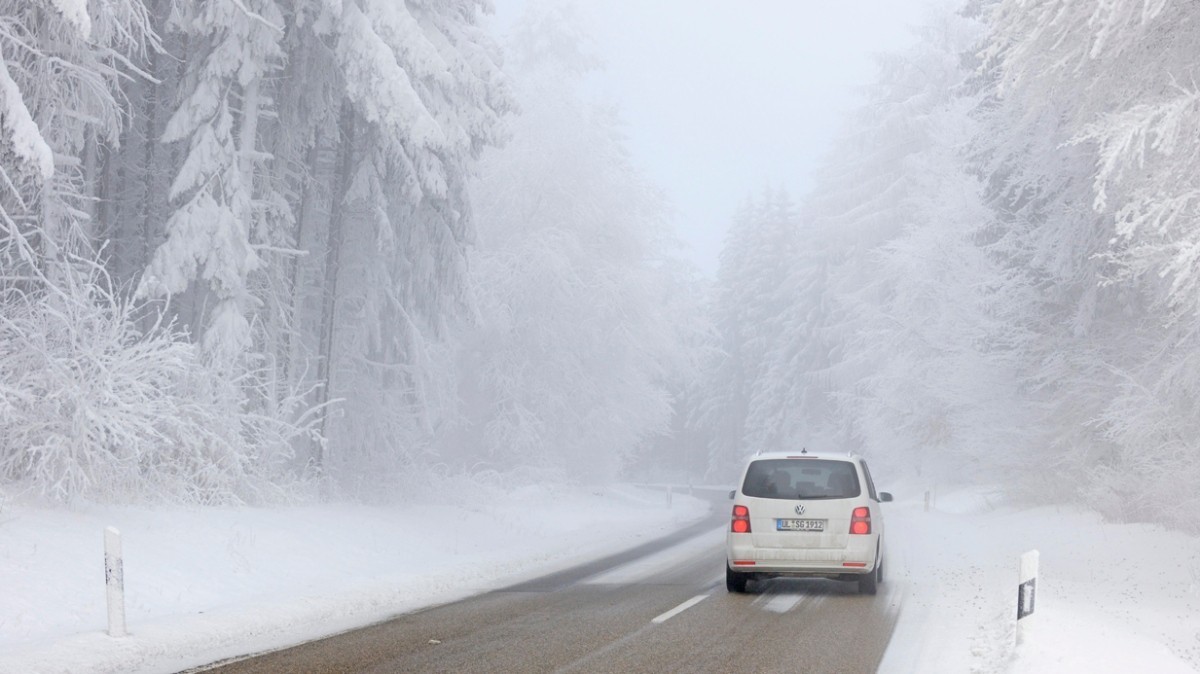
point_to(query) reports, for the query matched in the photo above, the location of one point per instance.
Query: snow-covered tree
(233, 45)
(61, 63)
(930, 326)
(94, 407)
(748, 305)
(996, 272)
(290, 176)
(567, 365)
(1101, 180)
(423, 96)
(895, 328)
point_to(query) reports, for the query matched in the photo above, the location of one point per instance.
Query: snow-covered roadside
(1111, 597)
(204, 584)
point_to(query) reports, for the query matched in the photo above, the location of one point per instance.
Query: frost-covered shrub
(94, 407)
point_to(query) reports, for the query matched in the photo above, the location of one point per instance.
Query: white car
(807, 515)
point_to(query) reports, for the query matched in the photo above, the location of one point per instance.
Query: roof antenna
(804, 450)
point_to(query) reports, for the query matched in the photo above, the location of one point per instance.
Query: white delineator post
(1026, 592)
(114, 579)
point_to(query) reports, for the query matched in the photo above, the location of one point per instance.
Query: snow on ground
(1110, 598)
(205, 584)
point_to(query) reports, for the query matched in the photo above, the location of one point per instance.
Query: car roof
(805, 454)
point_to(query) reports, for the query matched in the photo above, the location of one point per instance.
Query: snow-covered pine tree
(747, 309)
(234, 45)
(99, 400)
(897, 331)
(422, 96)
(60, 69)
(924, 375)
(564, 370)
(131, 180)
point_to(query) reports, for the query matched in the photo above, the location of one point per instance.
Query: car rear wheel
(734, 582)
(869, 583)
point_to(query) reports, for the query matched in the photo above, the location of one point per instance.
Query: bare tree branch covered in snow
(95, 408)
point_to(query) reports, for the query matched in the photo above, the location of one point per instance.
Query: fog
(342, 310)
(719, 101)
(319, 251)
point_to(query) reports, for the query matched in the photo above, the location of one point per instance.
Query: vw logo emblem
(799, 508)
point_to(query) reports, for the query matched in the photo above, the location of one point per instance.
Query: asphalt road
(660, 608)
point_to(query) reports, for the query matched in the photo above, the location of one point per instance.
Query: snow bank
(1111, 597)
(205, 584)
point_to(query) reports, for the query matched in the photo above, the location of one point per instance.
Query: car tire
(868, 583)
(735, 582)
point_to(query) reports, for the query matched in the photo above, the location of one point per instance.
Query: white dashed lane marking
(680, 609)
(782, 603)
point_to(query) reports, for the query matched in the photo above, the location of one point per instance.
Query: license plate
(800, 525)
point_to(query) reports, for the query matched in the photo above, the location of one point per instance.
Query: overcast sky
(724, 97)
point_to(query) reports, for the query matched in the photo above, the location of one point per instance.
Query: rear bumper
(858, 557)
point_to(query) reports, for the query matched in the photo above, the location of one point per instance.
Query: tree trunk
(288, 348)
(333, 250)
(247, 141)
(146, 247)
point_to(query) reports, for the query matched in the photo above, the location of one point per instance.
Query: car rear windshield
(801, 479)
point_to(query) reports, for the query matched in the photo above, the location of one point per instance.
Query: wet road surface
(660, 608)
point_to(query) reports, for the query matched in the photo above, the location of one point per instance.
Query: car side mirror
(885, 497)
(732, 493)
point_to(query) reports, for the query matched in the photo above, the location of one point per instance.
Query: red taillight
(860, 521)
(741, 520)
